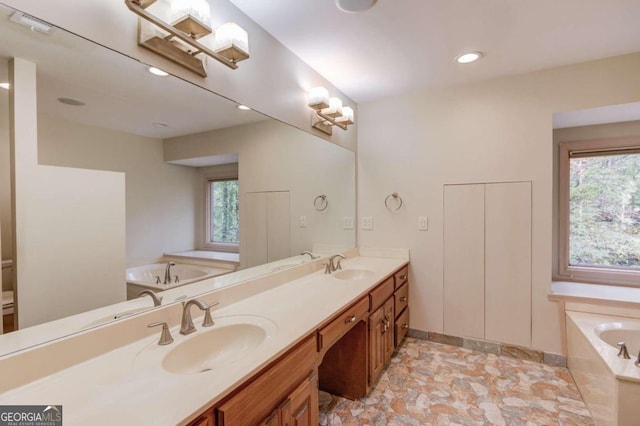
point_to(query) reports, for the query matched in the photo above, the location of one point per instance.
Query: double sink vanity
(274, 340)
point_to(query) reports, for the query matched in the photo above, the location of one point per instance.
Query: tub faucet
(157, 300)
(313, 257)
(186, 325)
(167, 273)
(623, 352)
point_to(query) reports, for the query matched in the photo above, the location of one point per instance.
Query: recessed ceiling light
(71, 101)
(467, 58)
(243, 107)
(353, 6)
(160, 125)
(5, 86)
(157, 71)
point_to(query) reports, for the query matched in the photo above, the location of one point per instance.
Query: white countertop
(117, 385)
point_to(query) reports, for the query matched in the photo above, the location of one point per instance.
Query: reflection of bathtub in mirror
(151, 277)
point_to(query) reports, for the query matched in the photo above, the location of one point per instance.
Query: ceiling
(70, 66)
(401, 46)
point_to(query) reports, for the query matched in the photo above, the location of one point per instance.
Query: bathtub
(610, 386)
(145, 277)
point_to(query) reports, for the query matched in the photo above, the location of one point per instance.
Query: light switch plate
(303, 221)
(347, 222)
(366, 222)
(423, 223)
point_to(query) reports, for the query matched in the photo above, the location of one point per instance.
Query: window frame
(595, 274)
(208, 244)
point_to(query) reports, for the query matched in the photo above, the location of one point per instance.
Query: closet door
(508, 263)
(464, 260)
(254, 235)
(278, 226)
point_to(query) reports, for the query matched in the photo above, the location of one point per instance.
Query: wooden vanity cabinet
(381, 341)
(401, 297)
(300, 408)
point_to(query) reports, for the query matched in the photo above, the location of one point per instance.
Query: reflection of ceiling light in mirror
(157, 71)
(5, 86)
(353, 6)
(160, 125)
(71, 101)
(243, 107)
(467, 58)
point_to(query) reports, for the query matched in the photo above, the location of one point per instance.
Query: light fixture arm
(138, 7)
(331, 120)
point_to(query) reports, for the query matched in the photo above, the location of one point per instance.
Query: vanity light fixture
(157, 71)
(32, 22)
(467, 58)
(181, 42)
(328, 112)
(243, 107)
(5, 86)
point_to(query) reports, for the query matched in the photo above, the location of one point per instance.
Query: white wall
(65, 264)
(273, 81)
(161, 198)
(276, 157)
(499, 130)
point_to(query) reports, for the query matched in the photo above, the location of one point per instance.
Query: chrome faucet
(167, 273)
(313, 257)
(186, 325)
(157, 300)
(332, 266)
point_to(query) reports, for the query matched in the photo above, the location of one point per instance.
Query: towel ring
(321, 203)
(396, 197)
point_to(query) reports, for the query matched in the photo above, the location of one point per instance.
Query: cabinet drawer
(402, 298)
(401, 276)
(380, 294)
(337, 328)
(402, 326)
(257, 400)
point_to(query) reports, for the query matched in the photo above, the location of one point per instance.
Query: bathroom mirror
(103, 115)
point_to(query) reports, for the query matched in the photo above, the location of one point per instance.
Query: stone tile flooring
(429, 383)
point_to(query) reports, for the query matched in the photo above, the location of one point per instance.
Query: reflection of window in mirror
(222, 214)
(600, 210)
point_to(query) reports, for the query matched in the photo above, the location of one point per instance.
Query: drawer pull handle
(352, 318)
(403, 299)
(402, 277)
(405, 326)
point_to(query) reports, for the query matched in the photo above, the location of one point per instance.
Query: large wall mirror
(132, 167)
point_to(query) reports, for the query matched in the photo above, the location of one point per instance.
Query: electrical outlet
(303, 221)
(347, 222)
(366, 223)
(423, 223)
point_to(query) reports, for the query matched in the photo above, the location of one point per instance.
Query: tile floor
(429, 383)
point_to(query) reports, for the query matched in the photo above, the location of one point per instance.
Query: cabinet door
(376, 344)
(388, 329)
(508, 263)
(464, 260)
(301, 408)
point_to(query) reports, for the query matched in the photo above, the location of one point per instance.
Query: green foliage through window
(604, 211)
(224, 211)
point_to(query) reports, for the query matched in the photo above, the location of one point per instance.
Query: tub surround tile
(429, 383)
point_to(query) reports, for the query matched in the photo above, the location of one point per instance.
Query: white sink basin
(229, 340)
(353, 274)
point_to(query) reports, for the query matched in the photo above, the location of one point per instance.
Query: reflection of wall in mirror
(277, 157)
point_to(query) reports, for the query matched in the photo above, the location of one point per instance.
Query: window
(599, 229)
(222, 215)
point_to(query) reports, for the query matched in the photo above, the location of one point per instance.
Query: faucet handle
(327, 268)
(208, 321)
(623, 352)
(165, 335)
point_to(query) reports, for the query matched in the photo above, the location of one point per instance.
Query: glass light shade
(318, 96)
(335, 108)
(199, 9)
(347, 116)
(232, 34)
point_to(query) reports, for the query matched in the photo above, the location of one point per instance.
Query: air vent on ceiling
(32, 22)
